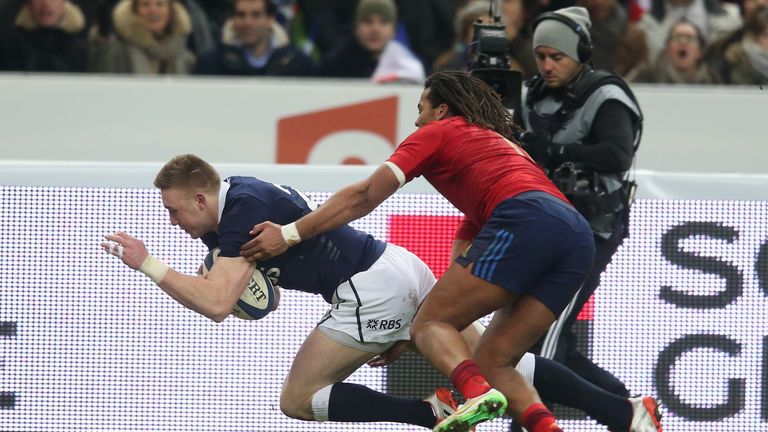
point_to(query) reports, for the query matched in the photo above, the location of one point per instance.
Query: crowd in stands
(654, 41)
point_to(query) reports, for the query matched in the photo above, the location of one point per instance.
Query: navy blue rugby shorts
(534, 244)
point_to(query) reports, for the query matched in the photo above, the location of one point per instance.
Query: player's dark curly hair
(472, 99)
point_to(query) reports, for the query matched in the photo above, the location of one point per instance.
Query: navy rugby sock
(356, 403)
(558, 384)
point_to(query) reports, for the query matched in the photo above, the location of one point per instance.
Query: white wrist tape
(154, 268)
(290, 234)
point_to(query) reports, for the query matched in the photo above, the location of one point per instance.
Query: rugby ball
(259, 297)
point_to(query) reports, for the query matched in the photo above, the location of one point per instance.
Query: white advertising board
(132, 119)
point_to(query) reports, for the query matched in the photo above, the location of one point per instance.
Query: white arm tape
(399, 174)
(290, 234)
(154, 268)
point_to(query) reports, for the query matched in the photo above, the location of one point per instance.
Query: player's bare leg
(308, 373)
(435, 332)
(448, 309)
(313, 389)
(511, 332)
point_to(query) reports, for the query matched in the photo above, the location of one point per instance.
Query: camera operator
(582, 128)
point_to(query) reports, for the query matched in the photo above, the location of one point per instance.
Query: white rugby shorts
(378, 305)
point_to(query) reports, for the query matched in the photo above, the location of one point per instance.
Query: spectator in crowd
(8, 11)
(714, 18)
(618, 44)
(747, 62)
(715, 55)
(217, 12)
(319, 27)
(426, 26)
(515, 14)
(459, 57)
(582, 126)
(253, 43)
(373, 52)
(47, 36)
(200, 40)
(682, 60)
(150, 38)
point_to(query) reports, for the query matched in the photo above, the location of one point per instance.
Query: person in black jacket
(47, 36)
(582, 127)
(253, 43)
(358, 56)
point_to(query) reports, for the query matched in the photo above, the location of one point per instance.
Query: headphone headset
(584, 48)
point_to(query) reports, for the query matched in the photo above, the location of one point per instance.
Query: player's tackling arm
(346, 205)
(350, 203)
(212, 296)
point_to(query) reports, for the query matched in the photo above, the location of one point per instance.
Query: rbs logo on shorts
(375, 324)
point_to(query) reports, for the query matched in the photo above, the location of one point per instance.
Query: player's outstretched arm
(129, 249)
(212, 296)
(346, 205)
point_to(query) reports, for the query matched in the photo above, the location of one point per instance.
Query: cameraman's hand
(538, 146)
(559, 154)
(543, 151)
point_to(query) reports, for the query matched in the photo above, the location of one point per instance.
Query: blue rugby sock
(356, 403)
(558, 384)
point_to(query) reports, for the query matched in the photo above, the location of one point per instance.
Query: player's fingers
(385, 358)
(122, 237)
(250, 247)
(257, 228)
(256, 256)
(113, 247)
(372, 363)
(105, 247)
(109, 247)
(116, 249)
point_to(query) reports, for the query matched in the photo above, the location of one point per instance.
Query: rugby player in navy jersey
(359, 275)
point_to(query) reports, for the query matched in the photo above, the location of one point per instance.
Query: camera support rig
(490, 61)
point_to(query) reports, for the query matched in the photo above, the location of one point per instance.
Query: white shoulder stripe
(397, 171)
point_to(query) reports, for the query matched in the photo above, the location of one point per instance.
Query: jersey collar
(222, 198)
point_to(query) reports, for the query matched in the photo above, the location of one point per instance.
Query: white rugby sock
(527, 366)
(320, 403)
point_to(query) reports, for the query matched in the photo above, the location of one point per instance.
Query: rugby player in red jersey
(521, 251)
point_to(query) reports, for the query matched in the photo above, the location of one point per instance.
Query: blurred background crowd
(656, 41)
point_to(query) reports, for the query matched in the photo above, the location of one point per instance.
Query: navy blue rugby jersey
(317, 265)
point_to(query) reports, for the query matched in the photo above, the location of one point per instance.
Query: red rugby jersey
(472, 167)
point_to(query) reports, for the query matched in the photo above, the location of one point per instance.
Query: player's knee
(415, 330)
(295, 406)
(425, 329)
(423, 333)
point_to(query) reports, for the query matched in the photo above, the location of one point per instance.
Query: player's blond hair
(188, 171)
